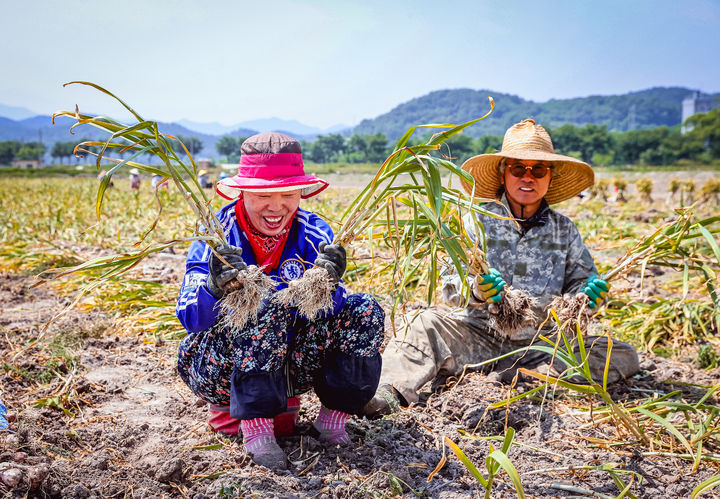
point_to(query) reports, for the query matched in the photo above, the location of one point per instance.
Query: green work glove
(487, 287)
(596, 289)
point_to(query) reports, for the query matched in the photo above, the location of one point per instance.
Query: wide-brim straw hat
(270, 162)
(529, 141)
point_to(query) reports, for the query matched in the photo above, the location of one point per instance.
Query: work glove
(487, 287)
(221, 278)
(596, 289)
(332, 258)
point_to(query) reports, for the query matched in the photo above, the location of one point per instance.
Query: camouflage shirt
(546, 260)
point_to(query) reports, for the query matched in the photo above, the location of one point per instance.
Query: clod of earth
(171, 471)
(16, 474)
(11, 477)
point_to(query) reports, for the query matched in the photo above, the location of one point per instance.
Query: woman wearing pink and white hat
(251, 376)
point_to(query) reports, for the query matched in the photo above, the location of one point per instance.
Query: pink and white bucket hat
(270, 162)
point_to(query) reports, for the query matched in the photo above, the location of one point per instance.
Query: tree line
(64, 151)
(655, 146)
(332, 148)
(11, 150)
(591, 143)
(594, 144)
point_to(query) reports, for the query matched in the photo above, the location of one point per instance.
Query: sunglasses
(537, 171)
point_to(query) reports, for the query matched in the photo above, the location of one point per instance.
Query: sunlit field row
(49, 223)
(53, 223)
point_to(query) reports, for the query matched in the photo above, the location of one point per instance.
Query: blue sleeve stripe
(187, 299)
(226, 220)
(185, 304)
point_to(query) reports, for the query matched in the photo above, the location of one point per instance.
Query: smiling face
(525, 193)
(270, 212)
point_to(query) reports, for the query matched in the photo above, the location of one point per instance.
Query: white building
(693, 104)
(27, 163)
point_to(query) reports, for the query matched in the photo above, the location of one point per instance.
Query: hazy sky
(328, 62)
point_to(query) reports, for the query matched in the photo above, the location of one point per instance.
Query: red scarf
(267, 249)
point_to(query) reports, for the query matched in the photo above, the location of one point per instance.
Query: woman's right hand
(221, 279)
(487, 287)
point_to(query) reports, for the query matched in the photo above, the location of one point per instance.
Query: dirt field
(98, 411)
(132, 429)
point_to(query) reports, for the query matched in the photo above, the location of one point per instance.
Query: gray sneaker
(386, 401)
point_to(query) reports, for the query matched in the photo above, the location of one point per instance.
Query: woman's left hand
(332, 258)
(596, 289)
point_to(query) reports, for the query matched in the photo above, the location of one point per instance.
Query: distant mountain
(643, 109)
(213, 128)
(208, 140)
(22, 124)
(40, 128)
(291, 127)
(276, 124)
(635, 110)
(16, 113)
(339, 128)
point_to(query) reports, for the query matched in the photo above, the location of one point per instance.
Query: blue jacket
(196, 304)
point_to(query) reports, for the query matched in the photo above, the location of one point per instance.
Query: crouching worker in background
(251, 377)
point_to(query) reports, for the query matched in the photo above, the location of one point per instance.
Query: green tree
(357, 148)
(377, 147)
(366, 148)
(595, 140)
(62, 150)
(707, 130)
(567, 139)
(459, 148)
(586, 141)
(488, 144)
(58, 151)
(629, 146)
(684, 146)
(8, 151)
(229, 146)
(327, 148)
(193, 144)
(31, 150)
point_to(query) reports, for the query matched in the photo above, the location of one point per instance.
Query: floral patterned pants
(256, 368)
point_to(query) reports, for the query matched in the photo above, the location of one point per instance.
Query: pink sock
(258, 434)
(331, 425)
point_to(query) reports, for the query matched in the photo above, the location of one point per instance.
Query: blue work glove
(487, 287)
(332, 258)
(221, 278)
(596, 289)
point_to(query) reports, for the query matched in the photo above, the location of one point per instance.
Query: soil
(119, 422)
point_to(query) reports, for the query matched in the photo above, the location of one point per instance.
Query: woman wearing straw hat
(204, 179)
(251, 376)
(540, 252)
